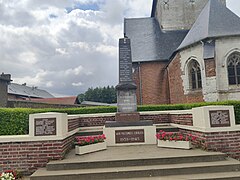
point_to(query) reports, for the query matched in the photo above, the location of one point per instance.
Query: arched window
(195, 79)
(234, 68)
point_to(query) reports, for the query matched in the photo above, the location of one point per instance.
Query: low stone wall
(158, 117)
(27, 153)
(30, 152)
(182, 119)
(28, 156)
(216, 129)
(73, 124)
(226, 142)
(95, 120)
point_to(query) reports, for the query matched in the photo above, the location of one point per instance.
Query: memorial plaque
(129, 136)
(45, 126)
(220, 118)
(127, 101)
(125, 61)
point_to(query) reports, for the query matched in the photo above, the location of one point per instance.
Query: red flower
(174, 136)
(85, 140)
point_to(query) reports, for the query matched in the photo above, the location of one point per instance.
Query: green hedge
(14, 121)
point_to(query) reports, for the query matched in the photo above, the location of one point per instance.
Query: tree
(99, 94)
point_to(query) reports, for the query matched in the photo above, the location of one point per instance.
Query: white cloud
(28, 57)
(65, 53)
(77, 84)
(74, 71)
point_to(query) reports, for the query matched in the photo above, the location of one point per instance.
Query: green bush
(14, 121)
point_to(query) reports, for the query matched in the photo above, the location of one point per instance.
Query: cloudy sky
(66, 46)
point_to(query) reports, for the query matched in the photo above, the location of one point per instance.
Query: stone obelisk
(128, 129)
(126, 89)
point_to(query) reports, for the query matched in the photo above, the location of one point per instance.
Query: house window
(234, 69)
(195, 75)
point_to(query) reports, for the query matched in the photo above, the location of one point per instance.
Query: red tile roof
(60, 100)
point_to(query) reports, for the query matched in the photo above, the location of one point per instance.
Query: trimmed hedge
(14, 121)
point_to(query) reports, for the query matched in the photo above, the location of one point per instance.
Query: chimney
(5, 79)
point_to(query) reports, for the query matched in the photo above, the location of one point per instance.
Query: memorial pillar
(128, 129)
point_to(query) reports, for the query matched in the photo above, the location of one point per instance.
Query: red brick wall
(157, 119)
(176, 85)
(182, 119)
(226, 142)
(73, 124)
(29, 156)
(210, 67)
(154, 82)
(95, 121)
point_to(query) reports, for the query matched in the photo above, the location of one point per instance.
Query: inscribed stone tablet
(125, 61)
(220, 118)
(45, 126)
(129, 136)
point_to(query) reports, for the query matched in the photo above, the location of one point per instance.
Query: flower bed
(8, 175)
(88, 144)
(174, 140)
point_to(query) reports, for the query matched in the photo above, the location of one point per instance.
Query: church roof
(215, 20)
(149, 42)
(154, 8)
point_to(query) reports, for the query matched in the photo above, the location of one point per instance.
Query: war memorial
(127, 144)
(131, 149)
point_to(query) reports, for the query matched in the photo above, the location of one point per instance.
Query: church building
(187, 51)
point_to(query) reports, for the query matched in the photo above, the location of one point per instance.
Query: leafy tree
(99, 94)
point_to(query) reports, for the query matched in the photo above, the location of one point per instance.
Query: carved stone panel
(45, 126)
(219, 118)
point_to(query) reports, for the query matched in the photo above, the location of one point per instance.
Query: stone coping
(141, 113)
(28, 138)
(207, 130)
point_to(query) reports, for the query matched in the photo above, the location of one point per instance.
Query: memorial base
(130, 135)
(133, 116)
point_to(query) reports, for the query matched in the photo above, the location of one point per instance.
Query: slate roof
(215, 20)
(149, 42)
(26, 91)
(154, 8)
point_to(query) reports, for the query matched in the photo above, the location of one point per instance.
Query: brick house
(187, 51)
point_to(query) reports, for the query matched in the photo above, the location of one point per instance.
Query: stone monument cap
(126, 86)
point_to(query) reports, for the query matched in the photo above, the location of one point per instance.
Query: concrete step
(205, 176)
(229, 165)
(70, 165)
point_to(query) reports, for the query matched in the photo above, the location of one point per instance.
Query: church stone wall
(224, 47)
(179, 14)
(151, 81)
(178, 92)
(214, 72)
(209, 90)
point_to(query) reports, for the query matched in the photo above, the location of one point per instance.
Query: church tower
(177, 14)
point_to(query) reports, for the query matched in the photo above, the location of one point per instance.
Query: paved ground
(132, 152)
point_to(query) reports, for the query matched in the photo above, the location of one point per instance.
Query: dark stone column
(127, 114)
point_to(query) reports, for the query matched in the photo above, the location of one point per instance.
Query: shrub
(14, 121)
